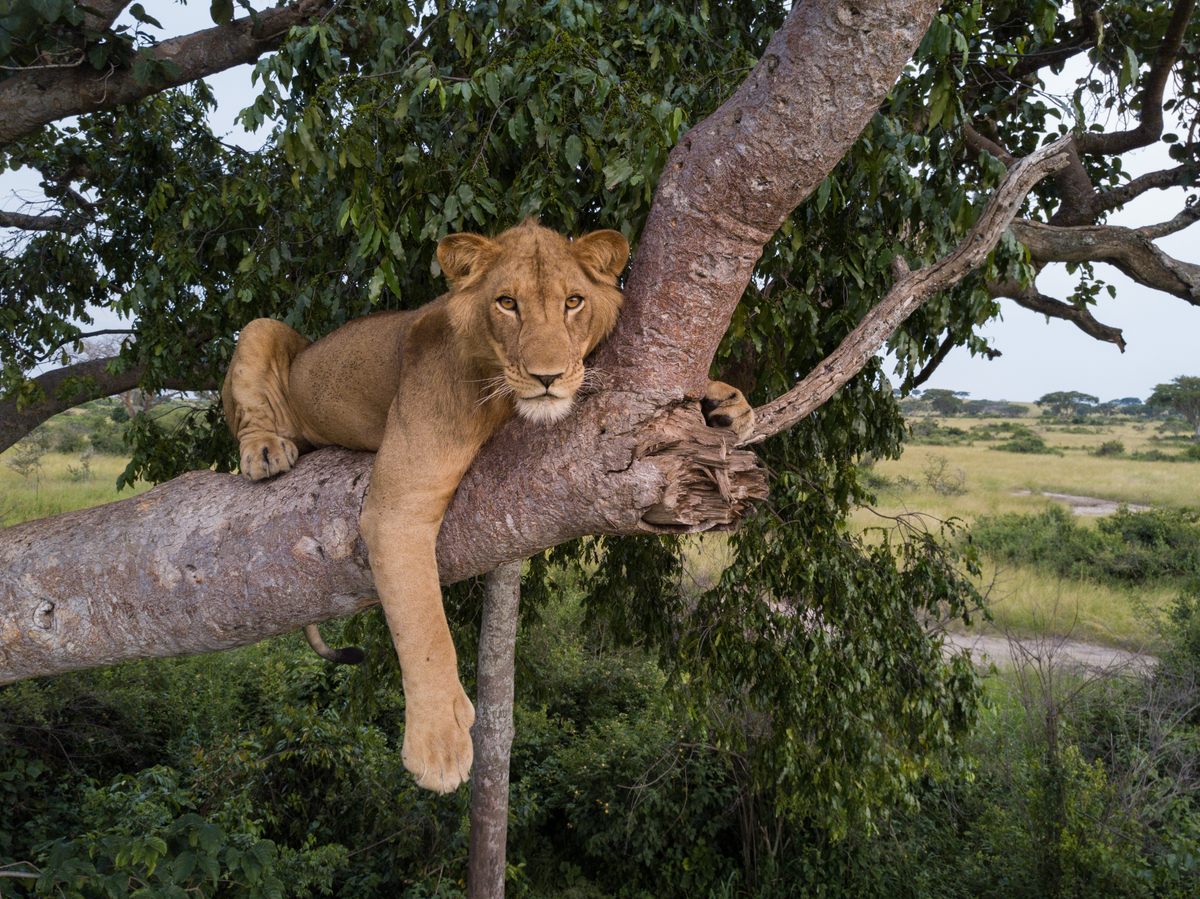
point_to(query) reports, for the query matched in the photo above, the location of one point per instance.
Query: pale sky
(1039, 356)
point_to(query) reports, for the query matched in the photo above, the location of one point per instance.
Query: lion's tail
(347, 655)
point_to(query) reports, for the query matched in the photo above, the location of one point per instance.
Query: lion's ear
(605, 251)
(462, 255)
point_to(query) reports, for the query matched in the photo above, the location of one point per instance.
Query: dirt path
(1085, 505)
(1005, 653)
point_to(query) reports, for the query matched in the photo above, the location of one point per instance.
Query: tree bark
(37, 96)
(208, 561)
(493, 733)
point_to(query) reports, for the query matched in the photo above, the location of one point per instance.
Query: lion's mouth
(545, 407)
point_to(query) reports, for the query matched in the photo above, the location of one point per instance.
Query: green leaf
(573, 151)
(617, 171)
(221, 11)
(139, 12)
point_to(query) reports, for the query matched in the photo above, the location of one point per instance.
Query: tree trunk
(493, 733)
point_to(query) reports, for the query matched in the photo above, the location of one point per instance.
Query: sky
(1038, 355)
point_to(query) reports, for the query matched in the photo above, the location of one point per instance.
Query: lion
(424, 390)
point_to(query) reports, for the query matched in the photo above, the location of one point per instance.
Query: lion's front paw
(437, 741)
(725, 407)
(265, 455)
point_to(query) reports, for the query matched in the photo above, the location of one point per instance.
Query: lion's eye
(574, 302)
(508, 304)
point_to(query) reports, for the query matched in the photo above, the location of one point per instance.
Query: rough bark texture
(112, 583)
(492, 734)
(37, 96)
(733, 179)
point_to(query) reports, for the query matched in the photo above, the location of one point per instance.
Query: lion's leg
(255, 397)
(416, 472)
(724, 406)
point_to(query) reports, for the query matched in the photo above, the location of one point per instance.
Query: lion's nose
(547, 380)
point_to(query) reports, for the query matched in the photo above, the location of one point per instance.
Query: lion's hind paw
(266, 455)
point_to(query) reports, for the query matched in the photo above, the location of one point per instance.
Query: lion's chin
(544, 408)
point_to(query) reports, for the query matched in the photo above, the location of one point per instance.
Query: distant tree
(1068, 402)
(1181, 396)
(945, 402)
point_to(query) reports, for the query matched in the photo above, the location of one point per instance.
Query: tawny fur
(425, 389)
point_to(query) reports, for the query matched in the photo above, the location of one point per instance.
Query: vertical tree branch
(493, 733)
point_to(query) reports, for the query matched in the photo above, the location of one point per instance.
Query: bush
(1026, 443)
(1126, 547)
(1110, 448)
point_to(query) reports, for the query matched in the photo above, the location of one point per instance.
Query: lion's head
(531, 305)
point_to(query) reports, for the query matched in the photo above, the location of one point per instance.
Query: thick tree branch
(733, 179)
(39, 222)
(209, 561)
(35, 97)
(66, 387)
(1150, 125)
(909, 292)
(1128, 249)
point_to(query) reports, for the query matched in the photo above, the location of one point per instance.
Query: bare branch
(1188, 216)
(1180, 176)
(1150, 126)
(1130, 250)
(36, 97)
(38, 222)
(909, 292)
(979, 143)
(1080, 316)
(931, 366)
(729, 184)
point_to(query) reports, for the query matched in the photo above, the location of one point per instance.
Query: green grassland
(953, 468)
(59, 486)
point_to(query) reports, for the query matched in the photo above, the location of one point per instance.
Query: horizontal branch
(1179, 176)
(1129, 249)
(35, 97)
(909, 292)
(38, 222)
(69, 386)
(211, 561)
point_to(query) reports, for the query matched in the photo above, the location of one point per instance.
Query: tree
(1068, 402)
(944, 402)
(1181, 396)
(779, 213)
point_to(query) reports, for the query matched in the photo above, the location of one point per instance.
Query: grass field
(970, 479)
(53, 489)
